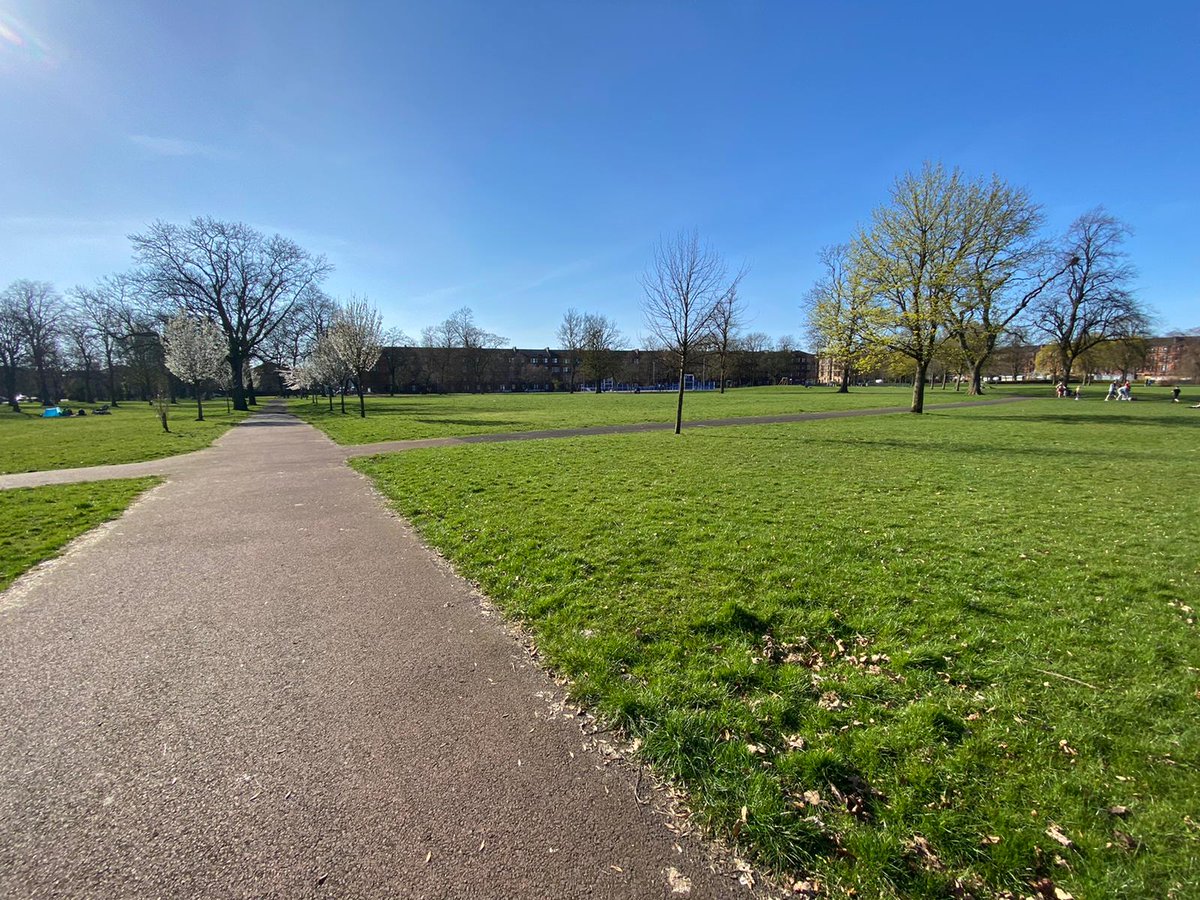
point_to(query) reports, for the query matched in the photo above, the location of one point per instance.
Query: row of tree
(950, 265)
(203, 302)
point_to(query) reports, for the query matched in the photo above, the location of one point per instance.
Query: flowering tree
(196, 352)
(355, 336)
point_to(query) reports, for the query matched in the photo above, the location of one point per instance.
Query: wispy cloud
(169, 146)
(444, 293)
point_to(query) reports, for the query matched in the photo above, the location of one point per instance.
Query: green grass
(445, 415)
(891, 652)
(132, 433)
(36, 523)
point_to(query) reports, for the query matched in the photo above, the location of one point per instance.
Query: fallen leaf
(679, 883)
(1118, 811)
(921, 848)
(1055, 833)
(1126, 841)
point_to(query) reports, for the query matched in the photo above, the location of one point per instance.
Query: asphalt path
(257, 683)
(184, 463)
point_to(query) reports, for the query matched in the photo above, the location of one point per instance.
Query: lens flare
(15, 39)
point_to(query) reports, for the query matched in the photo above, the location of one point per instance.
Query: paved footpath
(257, 683)
(175, 465)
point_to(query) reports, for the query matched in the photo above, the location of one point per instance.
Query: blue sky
(523, 157)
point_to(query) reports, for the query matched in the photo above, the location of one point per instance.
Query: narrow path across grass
(182, 463)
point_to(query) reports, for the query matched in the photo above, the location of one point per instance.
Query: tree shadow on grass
(477, 423)
(1102, 418)
(997, 451)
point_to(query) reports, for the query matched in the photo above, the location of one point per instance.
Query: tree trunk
(44, 386)
(844, 383)
(976, 388)
(918, 398)
(679, 406)
(342, 396)
(362, 403)
(199, 406)
(331, 398)
(236, 388)
(721, 370)
(10, 387)
(112, 383)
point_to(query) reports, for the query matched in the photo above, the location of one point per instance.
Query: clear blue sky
(522, 157)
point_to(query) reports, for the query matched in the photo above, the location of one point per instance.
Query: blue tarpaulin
(51, 412)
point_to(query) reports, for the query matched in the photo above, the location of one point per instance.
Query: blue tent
(51, 412)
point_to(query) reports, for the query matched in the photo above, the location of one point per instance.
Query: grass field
(949, 655)
(29, 443)
(36, 523)
(444, 415)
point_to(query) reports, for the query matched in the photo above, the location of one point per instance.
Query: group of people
(1120, 391)
(1117, 390)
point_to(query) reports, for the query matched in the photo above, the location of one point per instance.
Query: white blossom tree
(356, 338)
(196, 352)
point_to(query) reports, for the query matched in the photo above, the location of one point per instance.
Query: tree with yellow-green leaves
(842, 319)
(911, 259)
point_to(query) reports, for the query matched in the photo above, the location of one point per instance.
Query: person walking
(1112, 392)
(1175, 394)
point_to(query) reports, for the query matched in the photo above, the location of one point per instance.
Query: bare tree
(727, 319)
(476, 342)
(394, 354)
(83, 348)
(570, 339)
(14, 348)
(841, 317)
(1007, 267)
(226, 271)
(195, 352)
(39, 310)
(105, 306)
(751, 349)
(1094, 303)
(355, 337)
(683, 285)
(598, 348)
